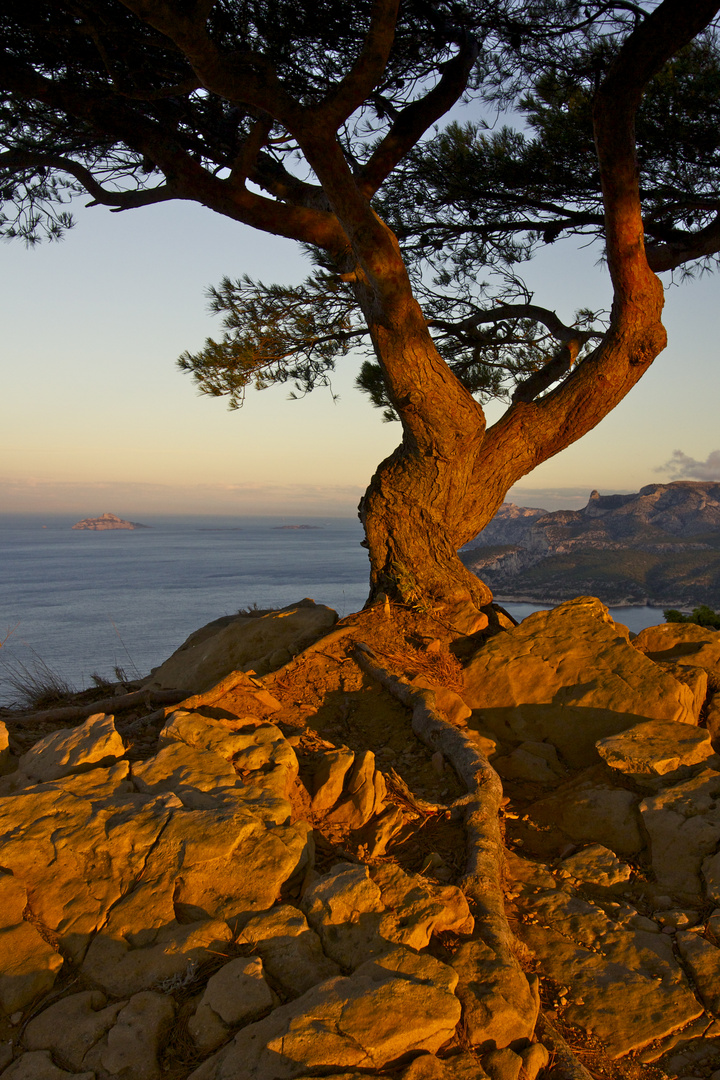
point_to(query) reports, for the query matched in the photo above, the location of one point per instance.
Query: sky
(95, 417)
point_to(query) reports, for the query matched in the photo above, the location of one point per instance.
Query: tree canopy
(324, 125)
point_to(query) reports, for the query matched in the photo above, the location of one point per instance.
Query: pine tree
(314, 121)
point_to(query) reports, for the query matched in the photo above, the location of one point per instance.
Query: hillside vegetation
(658, 546)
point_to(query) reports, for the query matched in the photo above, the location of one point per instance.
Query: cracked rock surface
(277, 879)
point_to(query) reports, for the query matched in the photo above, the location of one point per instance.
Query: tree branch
(532, 432)
(116, 118)
(17, 160)
(247, 78)
(686, 248)
(416, 118)
(367, 70)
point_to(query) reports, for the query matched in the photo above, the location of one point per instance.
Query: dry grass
(441, 667)
(35, 683)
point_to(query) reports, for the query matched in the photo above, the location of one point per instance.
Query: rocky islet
(206, 899)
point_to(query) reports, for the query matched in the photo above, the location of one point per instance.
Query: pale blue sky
(96, 417)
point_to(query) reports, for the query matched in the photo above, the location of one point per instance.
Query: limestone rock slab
(625, 984)
(683, 822)
(499, 1004)
(94, 743)
(241, 643)
(235, 995)
(598, 866)
(167, 962)
(418, 908)
(591, 810)
(72, 1026)
(387, 1008)
(39, 1065)
(76, 858)
(703, 959)
(259, 752)
(655, 748)
(28, 966)
(130, 1049)
(291, 952)
(570, 677)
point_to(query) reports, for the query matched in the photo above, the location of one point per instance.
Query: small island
(108, 521)
(297, 528)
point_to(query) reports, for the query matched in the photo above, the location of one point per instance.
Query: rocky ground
(310, 849)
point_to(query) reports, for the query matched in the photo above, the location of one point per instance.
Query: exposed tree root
(119, 703)
(482, 881)
(565, 1066)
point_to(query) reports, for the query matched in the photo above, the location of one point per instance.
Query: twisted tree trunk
(449, 476)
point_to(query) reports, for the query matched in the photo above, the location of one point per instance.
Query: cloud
(682, 467)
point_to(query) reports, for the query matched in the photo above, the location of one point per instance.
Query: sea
(79, 603)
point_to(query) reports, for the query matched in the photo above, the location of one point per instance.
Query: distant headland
(108, 521)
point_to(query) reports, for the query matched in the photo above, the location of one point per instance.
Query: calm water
(84, 602)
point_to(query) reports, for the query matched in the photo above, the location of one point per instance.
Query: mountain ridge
(659, 546)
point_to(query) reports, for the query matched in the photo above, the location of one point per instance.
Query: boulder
(291, 952)
(535, 762)
(712, 721)
(395, 1005)
(72, 1026)
(329, 778)
(569, 677)
(363, 794)
(655, 748)
(681, 643)
(74, 750)
(597, 866)
(242, 643)
(345, 908)
(6, 761)
(131, 1048)
(235, 995)
(696, 678)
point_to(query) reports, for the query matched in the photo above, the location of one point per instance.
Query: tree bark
(449, 476)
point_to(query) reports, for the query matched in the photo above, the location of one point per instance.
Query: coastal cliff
(659, 546)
